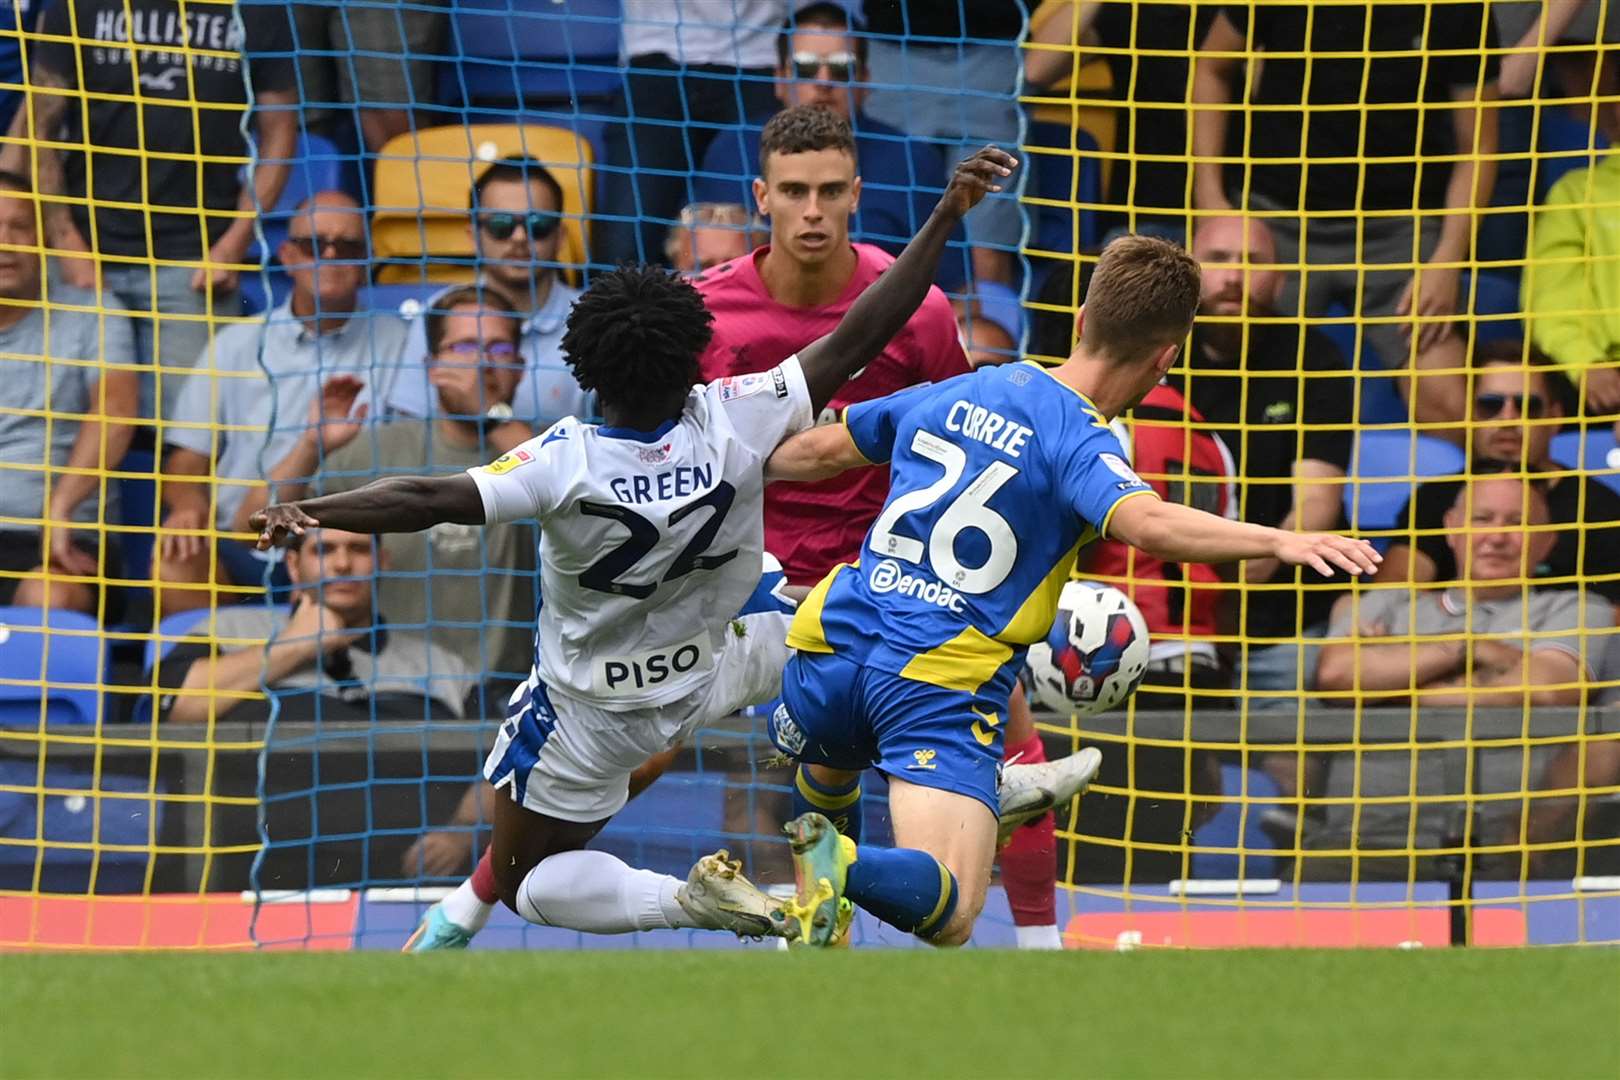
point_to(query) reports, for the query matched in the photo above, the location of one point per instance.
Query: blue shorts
(846, 716)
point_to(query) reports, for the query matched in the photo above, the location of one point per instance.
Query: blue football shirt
(997, 479)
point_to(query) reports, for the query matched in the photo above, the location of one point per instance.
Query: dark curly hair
(635, 336)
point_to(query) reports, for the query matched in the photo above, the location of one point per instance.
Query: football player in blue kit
(905, 659)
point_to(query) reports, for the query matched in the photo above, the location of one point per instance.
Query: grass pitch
(760, 1013)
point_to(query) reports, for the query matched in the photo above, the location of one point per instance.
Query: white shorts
(572, 760)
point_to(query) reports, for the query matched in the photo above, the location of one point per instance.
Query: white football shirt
(650, 541)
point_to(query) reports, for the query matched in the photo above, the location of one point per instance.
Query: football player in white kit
(651, 540)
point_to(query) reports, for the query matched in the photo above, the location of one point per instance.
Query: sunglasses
(340, 246)
(839, 66)
(501, 352)
(540, 224)
(1530, 406)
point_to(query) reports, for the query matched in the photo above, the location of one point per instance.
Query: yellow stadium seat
(424, 179)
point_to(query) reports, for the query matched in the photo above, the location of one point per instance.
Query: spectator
(694, 67)
(1479, 640)
(708, 234)
(820, 61)
(330, 656)
(160, 130)
(1282, 400)
(779, 298)
(1365, 200)
(1572, 281)
(1148, 49)
(950, 73)
(990, 326)
(1514, 412)
(1169, 447)
(516, 227)
(470, 590)
(282, 390)
(63, 400)
(1495, 530)
(389, 49)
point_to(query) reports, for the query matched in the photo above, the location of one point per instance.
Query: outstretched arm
(392, 504)
(884, 309)
(1177, 533)
(815, 454)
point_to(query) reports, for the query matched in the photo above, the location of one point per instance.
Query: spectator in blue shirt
(821, 61)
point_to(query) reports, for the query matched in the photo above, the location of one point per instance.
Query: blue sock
(841, 805)
(904, 887)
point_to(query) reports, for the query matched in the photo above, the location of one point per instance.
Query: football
(1095, 655)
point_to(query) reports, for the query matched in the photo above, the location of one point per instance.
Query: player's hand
(978, 176)
(439, 854)
(1324, 551)
(276, 523)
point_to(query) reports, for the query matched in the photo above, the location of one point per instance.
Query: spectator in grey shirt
(330, 656)
(1485, 639)
(283, 386)
(54, 352)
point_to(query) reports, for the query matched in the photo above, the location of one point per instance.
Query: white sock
(1038, 937)
(597, 893)
(463, 908)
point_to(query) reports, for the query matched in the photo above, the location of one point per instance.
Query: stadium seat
(1565, 143)
(67, 648)
(1380, 400)
(1237, 825)
(1493, 296)
(1372, 499)
(422, 189)
(1595, 452)
(120, 814)
(525, 52)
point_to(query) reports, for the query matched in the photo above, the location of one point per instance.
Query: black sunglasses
(340, 246)
(501, 226)
(1530, 406)
(839, 66)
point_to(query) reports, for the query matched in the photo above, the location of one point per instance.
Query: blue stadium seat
(1566, 143)
(73, 661)
(80, 808)
(1237, 825)
(1595, 452)
(1493, 295)
(1380, 400)
(316, 165)
(1371, 499)
(390, 297)
(528, 51)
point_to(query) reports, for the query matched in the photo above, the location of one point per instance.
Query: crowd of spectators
(123, 162)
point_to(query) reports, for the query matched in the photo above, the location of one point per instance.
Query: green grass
(863, 1014)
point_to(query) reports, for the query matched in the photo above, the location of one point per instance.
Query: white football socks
(463, 908)
(1038, 937)
(597, 893)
